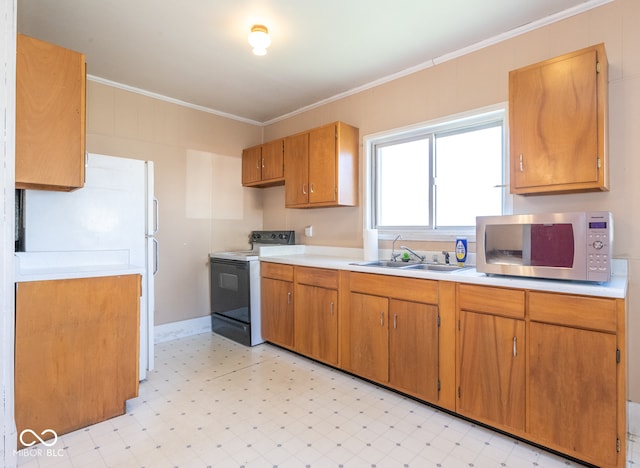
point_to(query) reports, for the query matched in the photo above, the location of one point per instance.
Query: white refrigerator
(115, 211)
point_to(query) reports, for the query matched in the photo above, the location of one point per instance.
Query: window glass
(439, 177)
(403, 184)
(468, 176)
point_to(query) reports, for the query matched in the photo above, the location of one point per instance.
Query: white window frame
(497, 111)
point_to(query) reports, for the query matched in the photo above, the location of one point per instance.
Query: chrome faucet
(419, 257)
(446, 256)
(394, 255)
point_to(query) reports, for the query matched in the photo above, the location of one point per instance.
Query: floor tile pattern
(214, 403)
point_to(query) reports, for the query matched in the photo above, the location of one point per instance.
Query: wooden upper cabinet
(50, 116)
(252, 165)
(558, 124)
(296, 170)
(321, 167)
(263, 165)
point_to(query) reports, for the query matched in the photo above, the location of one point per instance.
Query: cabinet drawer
(276, 271)
(317, 277)
(498, 301)
(594, 313)
(408, 289)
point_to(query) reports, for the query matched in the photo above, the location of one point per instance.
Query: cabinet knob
(288, 297)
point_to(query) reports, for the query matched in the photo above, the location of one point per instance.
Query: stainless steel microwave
(568, 246)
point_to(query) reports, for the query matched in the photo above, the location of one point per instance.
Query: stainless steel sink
(435, 267)
(411, 266)
(382, 263)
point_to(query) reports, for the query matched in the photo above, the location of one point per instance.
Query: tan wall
(203, 207)
(480, 79)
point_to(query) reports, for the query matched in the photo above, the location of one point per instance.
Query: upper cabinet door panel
(296, 170)
(50, 116)
(273, 160)
(251, 165)
(322, 164)
(557, 112)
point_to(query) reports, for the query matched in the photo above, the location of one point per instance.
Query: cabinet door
(555, 124)
(369, 336)
(273, 160)
(316, 322)
(322, 164)
(492, 369)
(572, 390)
(277, 311)
(50, 116)
(251, 165)
(77, 347)
(296, 170)
(413, 348)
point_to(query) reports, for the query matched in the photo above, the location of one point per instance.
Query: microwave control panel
(599, 249)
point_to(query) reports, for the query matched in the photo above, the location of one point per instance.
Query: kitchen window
(431, 181)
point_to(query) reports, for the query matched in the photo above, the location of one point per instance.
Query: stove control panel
(273, 237)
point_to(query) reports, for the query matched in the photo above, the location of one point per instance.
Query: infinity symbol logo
(48, 443)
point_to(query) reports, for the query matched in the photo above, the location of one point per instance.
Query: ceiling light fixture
(259, 39)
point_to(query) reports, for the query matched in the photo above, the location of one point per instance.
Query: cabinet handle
(382, 318)
(515, 346)
(263, 163)
(331, 308)
(304, 189)
(395, 320)
(288, 297)
(311, 188)
(257, 163)
(521, 164)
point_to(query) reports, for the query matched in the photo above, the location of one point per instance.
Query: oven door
(230, 289)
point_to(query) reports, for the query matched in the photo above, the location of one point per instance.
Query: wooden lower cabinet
(394, 340)
(491, 355)
(574, 406)
(368, 337)
(492, 369)
(414, 348)
(277, 304)
(575, 377)
(316, 322)
(77, 345)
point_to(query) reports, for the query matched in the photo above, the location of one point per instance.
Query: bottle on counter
(461, 250)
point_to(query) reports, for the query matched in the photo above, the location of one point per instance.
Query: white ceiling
(196, 51)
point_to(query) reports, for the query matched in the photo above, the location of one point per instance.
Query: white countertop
(44, 266)
(343, 259)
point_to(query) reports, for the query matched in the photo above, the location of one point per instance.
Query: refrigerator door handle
(156, 250)
(156, 215)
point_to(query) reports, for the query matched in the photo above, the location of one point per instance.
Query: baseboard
(633, 418)
(181, 329)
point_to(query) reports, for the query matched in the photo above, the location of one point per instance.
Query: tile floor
(212, 402)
